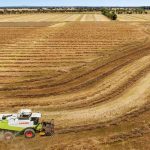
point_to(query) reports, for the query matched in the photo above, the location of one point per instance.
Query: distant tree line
(109, 13)
(113, 10)
(130, 11)
(46, 10)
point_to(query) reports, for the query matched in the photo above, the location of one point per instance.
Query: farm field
(53, 17)
(70, 17)
(134, 17)
(91, 77)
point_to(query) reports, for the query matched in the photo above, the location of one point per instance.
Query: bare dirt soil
(92, 78)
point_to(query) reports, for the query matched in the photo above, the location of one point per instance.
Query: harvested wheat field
(92, 78)
(53, 17)
(134, 17)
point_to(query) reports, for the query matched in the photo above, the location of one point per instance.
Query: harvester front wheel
(29, 133)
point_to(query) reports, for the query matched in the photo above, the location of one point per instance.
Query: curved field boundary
(131, 100)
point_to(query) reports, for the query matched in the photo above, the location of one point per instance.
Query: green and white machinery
(26, 123)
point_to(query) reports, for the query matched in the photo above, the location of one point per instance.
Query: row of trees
(113, 11)
(130, 11)
(110, 14)
(5, 11)
(46, 10)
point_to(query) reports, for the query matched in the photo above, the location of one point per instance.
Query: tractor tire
(29, 133)
(8, 136)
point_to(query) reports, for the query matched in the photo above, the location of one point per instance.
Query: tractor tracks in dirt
(134, 133)
(101, 94)
(130, 101)
(122, 85)
(115, 122)
(76, 83)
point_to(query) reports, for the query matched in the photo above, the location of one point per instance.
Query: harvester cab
(24, 122)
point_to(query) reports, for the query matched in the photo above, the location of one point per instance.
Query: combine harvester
(24, 123)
